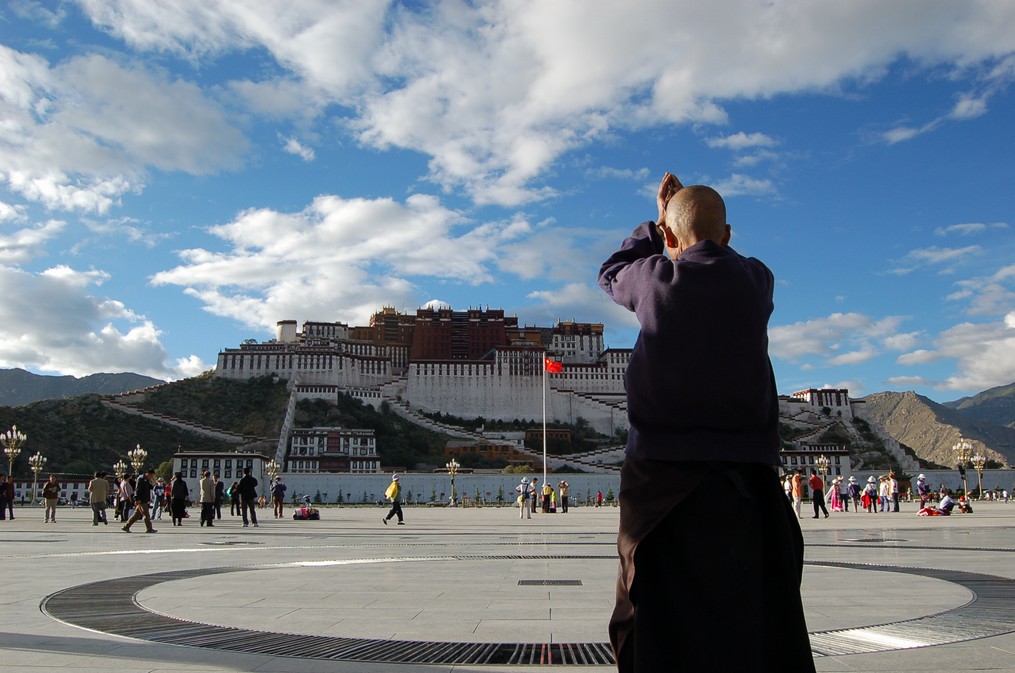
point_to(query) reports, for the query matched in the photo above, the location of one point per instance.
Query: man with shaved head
(710, 551)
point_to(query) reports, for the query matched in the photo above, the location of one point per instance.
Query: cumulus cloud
(341, 257)
(294, 146)
(838, 339)
(542, 79)
(741, 141)
(79, 135)
(987, 295)
(49, 321)
(28, 243)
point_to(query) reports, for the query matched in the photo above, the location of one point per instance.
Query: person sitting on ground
(944, 508)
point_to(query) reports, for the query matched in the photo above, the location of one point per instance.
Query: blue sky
(179, 176)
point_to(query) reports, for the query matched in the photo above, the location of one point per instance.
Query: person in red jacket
(817, 493)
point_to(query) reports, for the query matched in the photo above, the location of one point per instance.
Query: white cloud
(343, 258)
(741, 141)
(838, 339)
(29, 243)
(987, 295)
(294, 146)
(918, 357)
(50, 322)
(79, 135)
(984, 354)
(923, 257)
(964, 229)
(738, 185)
(909, 381)
(495, 93)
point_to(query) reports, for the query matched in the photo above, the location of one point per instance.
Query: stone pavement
(465, 590)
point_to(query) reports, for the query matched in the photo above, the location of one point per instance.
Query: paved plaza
(466, 590)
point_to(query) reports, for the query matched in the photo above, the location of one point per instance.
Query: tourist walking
(798, 492)
(9, 494)
(51, 494)
(883, 494)
(394, 493)
(220, 494)
(248, 497)
(3, 498)
(817, 485)
(142, 501)
(524, 511)
(853, 491)
(179, 493)
(534, 495)
(126, 495)
(564, 488)
(893, 491)
(703, 412)
(870, 494)
(234, 499)
(207, 499)
(98, 496)
(834, 498)
(547, 496)
(158, 498)
(278, 490)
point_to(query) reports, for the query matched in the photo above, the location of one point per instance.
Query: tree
(165, 470)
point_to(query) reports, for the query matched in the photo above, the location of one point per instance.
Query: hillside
(18, 387)
(82, 435)
(995, 406)
(931, 429)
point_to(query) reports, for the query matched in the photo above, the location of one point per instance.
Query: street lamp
(822, 463)
(137, 458)
(12, 441)
(453, 466)
(37, 463)
(120, 469)
(272, 468)
(979, 462)
(963, 450)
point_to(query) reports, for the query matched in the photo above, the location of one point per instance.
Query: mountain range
(986, 419)
(19, 387)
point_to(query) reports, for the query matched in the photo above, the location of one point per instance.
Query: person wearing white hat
(853, 490)
(524, 499)
(870, 494)
(393, 494)
(923, 490)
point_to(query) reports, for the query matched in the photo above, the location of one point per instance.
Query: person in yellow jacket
(393, 494)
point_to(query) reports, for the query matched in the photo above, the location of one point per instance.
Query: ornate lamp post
(37, 463)
(963, 450)
(979, 462)
(272, 468)
(137, 457)
(822, 463)
(453, 466)
(120, 469)
(12, 441)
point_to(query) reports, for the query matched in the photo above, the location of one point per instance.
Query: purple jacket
(700, 386)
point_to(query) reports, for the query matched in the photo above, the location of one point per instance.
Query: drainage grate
(109, 607)
(549, 583)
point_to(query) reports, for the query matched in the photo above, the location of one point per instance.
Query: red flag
(553, 366)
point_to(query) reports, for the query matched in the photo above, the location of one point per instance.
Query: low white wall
(422, 485)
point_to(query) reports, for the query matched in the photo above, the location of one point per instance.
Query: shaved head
(697, 213)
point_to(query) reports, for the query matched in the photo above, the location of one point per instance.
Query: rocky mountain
(19, 387)
(931, 429)
(995, 406)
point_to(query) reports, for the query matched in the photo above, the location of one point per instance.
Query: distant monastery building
(471, 364)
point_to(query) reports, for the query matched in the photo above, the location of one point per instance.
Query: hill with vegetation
(18, 387)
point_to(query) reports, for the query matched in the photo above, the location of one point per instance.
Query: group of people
(882, 493)
(137, 497)
(531, 498)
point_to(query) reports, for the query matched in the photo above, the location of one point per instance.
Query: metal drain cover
(549, 583)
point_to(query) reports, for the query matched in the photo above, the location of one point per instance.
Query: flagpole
(544, 419)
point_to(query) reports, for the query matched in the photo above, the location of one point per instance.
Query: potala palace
(479, 363)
